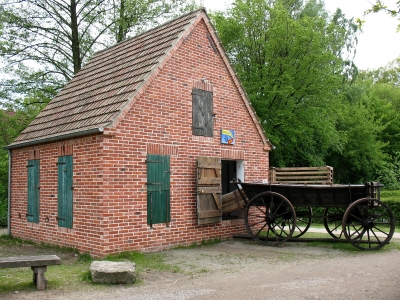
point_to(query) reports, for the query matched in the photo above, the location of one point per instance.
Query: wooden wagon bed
(277, 212)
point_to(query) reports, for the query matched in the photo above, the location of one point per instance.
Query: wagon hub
(368, 223)
(269, 218)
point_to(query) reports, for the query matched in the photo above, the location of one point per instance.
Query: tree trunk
(121, 33)
(76, 57)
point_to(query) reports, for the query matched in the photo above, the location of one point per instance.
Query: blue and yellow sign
(227, 136)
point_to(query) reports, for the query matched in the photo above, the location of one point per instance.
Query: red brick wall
(110, 208)
(87, 203)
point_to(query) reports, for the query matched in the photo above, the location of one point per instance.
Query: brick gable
(110, 167)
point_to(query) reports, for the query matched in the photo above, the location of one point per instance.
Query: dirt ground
(238, 269)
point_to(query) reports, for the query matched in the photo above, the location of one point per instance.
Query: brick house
(135, 151)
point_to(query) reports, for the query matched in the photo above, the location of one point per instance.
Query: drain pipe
(9, 194)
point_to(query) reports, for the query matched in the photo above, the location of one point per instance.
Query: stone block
(111, 272)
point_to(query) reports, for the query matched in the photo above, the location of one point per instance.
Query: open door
(209, 204)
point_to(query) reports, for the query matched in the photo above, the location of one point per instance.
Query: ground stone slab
(110, 272)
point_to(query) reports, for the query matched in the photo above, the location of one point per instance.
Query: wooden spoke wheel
(270, 218)
(333, 217)
(303, 221)
(368, 224)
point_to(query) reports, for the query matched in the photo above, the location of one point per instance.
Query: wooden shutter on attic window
(202, 110)
(209, 203)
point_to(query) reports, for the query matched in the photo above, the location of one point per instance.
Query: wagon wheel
(303, 221)
(270, 218)
(368, 224)
(333, 217)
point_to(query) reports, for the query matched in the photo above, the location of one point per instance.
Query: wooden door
(209, 203)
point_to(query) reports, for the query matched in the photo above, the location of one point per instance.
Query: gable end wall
(110, 207)
(160, 123)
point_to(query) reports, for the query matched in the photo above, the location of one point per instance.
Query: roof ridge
(151, 29)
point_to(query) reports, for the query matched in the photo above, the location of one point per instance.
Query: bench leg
(38, 277)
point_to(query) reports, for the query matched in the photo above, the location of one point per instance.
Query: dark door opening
(231, 170)
(228, 173)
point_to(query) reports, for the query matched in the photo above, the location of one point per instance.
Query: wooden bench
(38, 264)
(302, 175)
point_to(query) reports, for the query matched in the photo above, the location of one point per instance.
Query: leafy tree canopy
(293, 59)
(380, 6)
(49, 41)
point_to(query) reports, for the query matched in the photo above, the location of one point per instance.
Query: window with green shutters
(158, 189)
(33, 190)
(65, 188)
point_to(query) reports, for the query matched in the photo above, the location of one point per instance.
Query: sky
(378, 44)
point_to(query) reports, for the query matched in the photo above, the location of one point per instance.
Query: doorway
(231, 170)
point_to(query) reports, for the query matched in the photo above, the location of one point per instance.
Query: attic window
(202, 109)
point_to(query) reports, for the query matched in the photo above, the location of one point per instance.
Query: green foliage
(86, 276)
(134, 16)
(392, 195)
(395, 208)
(392, 199)
(380, 6)
(386, 74)
(57, 38)
(389, 174)
(289, 58)
(378, 96)
(3, 212)
(361, 152)
(85, 257)
(295, 62)
(12, 121)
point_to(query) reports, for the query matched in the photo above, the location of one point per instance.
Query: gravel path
(239, 269)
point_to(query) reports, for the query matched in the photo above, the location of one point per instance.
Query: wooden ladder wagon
(277, 212)
(237, 199)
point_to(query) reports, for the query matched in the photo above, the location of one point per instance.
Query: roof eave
(53, 139)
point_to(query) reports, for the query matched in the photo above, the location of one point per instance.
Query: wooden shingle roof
(107, 85)
(103, 87)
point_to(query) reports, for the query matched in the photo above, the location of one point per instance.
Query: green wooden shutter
(158, 189)
(202, 109)
(33, 191)
(65, 187)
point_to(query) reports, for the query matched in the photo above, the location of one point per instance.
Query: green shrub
(392, 198)
(390, 195)
(389, 175)
(318, 211)
(3, 213)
